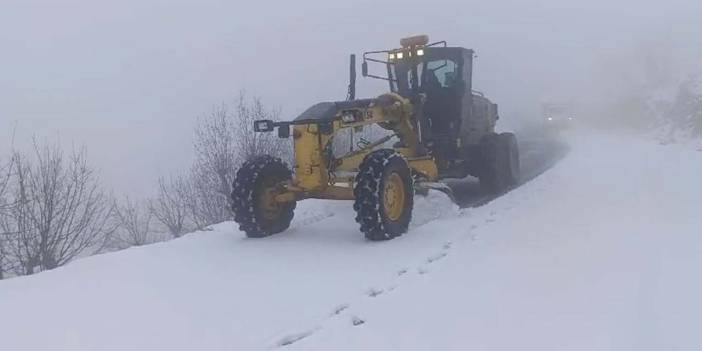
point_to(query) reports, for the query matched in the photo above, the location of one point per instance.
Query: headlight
(399, 55)
(550, 118)
(348, 117)
(391, 56)
(420, 52)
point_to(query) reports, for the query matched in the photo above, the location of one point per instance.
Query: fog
(128, 78)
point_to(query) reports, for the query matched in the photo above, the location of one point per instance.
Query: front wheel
(255, 187)
(383, 195)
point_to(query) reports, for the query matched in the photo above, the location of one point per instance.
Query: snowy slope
(210, 290)
(599, 253)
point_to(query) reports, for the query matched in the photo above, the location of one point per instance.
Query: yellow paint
(311, 179)
(394, 196)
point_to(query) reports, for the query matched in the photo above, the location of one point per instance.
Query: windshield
(405, 75)
(441, 73)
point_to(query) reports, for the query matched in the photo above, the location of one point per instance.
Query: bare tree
(134, 221)
(685, 113)
(216, 159)
(18, 223)
(250, 143)
(170, 205)
(5, 206)
(223, 140)
(5, 172)
(205, 202)
(59, 209)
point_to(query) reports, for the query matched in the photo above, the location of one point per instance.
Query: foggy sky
(128, 78)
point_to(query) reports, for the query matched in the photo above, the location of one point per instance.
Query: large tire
(500, 162)
(383, 195)
(511, 148)
(254, 209)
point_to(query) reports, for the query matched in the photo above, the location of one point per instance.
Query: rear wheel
(384, 195)
(511, 150)
(500, 162)
(255, 208)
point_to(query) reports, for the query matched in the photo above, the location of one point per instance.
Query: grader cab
(438, 126)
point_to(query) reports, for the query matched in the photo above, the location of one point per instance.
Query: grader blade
(422, 188)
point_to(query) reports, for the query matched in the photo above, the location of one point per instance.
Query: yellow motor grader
(437, 126)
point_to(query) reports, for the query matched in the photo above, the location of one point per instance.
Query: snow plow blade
(422, 188)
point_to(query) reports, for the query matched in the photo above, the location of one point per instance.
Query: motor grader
(437, 128)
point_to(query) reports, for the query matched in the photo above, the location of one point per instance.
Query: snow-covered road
(539, 152)
(599, 253)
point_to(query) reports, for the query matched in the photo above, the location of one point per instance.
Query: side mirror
(284, 131)
(364, 69)
(263, 125)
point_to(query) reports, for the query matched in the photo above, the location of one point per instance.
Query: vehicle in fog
(443, 130)
(557, 116)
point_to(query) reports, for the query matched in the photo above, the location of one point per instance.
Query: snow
(667, 133)
(601, 252)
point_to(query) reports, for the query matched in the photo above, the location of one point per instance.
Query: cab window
(440, 74)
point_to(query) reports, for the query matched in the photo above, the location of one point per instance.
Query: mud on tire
(383, 195)
(253, 181)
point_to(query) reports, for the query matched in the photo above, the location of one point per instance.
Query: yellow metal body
(313, 176)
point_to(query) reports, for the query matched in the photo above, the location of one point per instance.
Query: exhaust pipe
(352, 78)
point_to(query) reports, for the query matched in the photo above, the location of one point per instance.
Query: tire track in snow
(372, 295)
(310, 219)
(347, 311)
